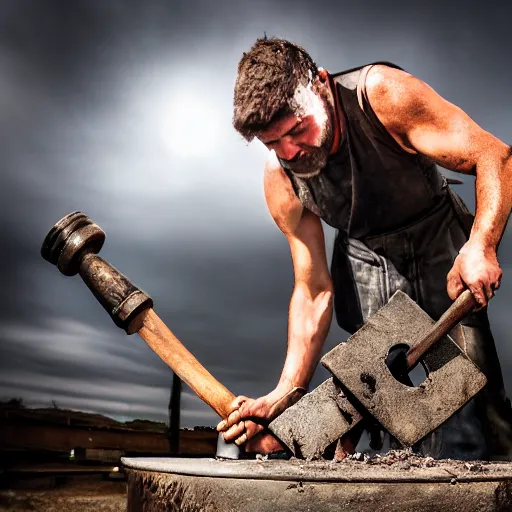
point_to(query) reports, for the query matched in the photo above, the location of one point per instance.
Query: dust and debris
(476, 467)
(407, 459)
(403, 459)
(359, 456)
(399, 459)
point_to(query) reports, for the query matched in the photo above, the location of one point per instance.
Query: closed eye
(298, 130)
(294, 130)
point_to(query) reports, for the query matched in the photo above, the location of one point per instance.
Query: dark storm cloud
(123, 110)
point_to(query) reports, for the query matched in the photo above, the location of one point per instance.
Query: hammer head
(408, 413)
(72, 245)
(70, 236)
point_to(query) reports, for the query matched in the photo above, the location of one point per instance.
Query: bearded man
(358, 149)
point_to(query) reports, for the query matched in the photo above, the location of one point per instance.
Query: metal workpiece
(311, 426)
(72, 245)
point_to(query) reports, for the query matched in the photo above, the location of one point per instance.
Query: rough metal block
(316, 421)
(408, 413)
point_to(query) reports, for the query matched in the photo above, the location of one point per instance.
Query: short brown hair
(267, 78)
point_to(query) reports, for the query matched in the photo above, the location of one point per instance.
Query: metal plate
(316, 421)
(408, 413)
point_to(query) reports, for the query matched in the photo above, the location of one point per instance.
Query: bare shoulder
(389, 88)
(283, 204)
(422, 121)
(399, 100)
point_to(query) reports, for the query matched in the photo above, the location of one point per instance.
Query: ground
(76, 495)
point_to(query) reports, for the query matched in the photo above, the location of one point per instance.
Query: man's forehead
(304, 104)
(278, 128)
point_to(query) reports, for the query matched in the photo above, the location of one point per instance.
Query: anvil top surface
(322, 471)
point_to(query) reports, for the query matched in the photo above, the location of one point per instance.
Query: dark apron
(416, 260)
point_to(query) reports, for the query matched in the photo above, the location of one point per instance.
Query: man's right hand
(238, 427)
(249, 417)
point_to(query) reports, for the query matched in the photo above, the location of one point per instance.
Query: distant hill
(14, 410)
(147, 425)
(57, 431)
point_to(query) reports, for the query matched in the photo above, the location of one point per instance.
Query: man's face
(303, 140)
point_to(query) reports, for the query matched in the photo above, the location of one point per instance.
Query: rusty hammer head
(72, 245)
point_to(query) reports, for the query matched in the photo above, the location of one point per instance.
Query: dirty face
(303, 139)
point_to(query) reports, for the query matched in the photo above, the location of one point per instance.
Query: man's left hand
(477, 268)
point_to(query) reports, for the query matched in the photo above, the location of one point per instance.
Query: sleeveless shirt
(370, 186)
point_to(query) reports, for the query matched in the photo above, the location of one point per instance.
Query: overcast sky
(122, 110)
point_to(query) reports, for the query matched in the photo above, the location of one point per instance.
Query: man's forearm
(308, 324)
(493, 199)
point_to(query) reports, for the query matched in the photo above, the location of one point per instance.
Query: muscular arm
(423, 122)
(310, 311)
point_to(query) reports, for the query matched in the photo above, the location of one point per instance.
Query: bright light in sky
(190, 127)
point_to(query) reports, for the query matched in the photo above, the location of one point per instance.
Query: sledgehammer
(72, 245)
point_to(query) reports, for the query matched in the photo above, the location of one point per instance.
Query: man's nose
(287, 150)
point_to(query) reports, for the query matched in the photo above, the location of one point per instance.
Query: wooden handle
(170, 349)
(456, 312)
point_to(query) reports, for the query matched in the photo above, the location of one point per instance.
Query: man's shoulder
(283, 204)
(275, 178)
(350, 77)
(391, 91)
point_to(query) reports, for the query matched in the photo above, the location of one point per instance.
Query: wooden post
(174, 415)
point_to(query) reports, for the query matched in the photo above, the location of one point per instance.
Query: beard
(310, 162)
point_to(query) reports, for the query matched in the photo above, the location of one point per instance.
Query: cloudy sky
(122, 109)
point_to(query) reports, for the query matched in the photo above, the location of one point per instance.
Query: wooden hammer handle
(170, 349)
(452, 316)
